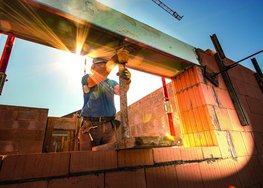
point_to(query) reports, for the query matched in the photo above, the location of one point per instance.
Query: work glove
(125, 74)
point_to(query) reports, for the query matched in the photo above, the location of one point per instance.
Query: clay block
(166, 154)
(189, 175)
(164, 176)
(34, 166)
(135, 157)
(89, 181)
(37, 184)
(92, 161)
(127, 179)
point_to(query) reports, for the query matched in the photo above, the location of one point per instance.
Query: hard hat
(99, 60)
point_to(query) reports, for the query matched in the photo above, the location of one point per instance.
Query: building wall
(147, 117)
(22, 129)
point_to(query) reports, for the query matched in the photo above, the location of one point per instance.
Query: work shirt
(99, 101)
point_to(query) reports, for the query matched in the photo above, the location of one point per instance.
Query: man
(99, 111)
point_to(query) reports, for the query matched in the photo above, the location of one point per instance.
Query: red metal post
(168, 111)
(6, 53)
(4, 59)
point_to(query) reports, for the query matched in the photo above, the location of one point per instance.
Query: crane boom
(167, 9)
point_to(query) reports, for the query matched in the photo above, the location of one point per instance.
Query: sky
(44, 77)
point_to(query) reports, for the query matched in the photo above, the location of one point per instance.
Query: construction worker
(98, 112)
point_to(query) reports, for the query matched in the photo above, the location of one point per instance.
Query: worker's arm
(96, 78)
(125, 74)
(117, 88)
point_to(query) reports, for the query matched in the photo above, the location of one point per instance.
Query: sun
(71, 66)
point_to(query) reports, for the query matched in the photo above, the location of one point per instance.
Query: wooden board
(141, 142)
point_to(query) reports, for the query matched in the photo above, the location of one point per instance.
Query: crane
(167, 9)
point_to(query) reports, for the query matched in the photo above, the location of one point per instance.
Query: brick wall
(22, 129)
(147, 117)
(167, 167)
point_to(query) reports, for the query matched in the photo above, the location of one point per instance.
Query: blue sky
(43, 77)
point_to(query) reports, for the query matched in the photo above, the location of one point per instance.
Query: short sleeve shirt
(99, 101)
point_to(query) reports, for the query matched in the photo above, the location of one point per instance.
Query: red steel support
(6, 53)
(4, 59)
(168, 107)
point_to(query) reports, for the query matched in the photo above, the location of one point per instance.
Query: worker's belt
(99, 119)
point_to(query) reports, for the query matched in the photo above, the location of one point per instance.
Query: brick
(208, 59)
(224, 98)
(212, 118)
(200, 139)
(92, 161)
(208, 94)
(260, 159)
(177, 84)
(191, 140)
(238, 143)
(166, 154)
(191, 153)
(198, 121)
(249, 143)
(204, 115)
(186, 122)
(251, 173)
(223, 144)
(189, 175)
(211, 152)
(17, 135)
(127, 179)
(256, 122)
(255, 105)
(185, 101)
(192, 121)
(88, 181)
(258, 140)
(234, 120)
(27, 114)
(240, 86)
(236, 72)
(221, 83)
(211, 175)
(208, 138)
(7, 113)
(254, 92)
(223, 118)
(186, 141)
(36, 184)
(164, 176)
(198, 98)
(7, 147)
(229, 172)
(135, 157)
(34, 166)
(29, 146)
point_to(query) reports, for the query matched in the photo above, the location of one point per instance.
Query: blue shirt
(99, 101)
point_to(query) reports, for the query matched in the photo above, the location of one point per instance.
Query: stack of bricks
(22, 129)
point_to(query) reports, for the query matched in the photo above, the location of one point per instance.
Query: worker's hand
(125, 74)
(122, 55)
